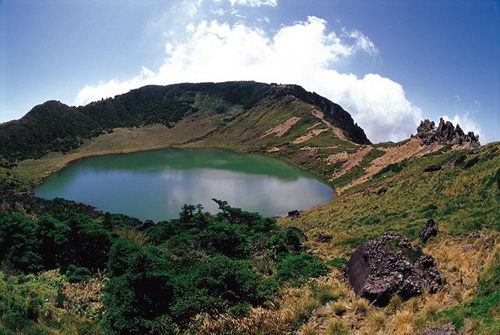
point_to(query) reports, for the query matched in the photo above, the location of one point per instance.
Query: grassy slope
(460, 200)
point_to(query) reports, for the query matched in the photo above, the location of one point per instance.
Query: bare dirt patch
(309, 135)
(412, 148)
(351, 160)
(314, 125)
(335, 158)
(397, 154)
(282, 128)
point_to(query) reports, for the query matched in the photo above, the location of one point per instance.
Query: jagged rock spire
(445, 133)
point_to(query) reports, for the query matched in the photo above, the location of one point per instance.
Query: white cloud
(362, 41)
(467, 124)
(254, 3)
(303, 53)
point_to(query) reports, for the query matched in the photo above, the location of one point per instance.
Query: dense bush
(48, 243)
(298, 268)
(201, 263)
(198, 263)
(395, 168)
(76, 274)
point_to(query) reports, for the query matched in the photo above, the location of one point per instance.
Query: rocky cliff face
(445, 133)
(333, 112)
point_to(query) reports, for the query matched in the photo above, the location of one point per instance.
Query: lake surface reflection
(155, 184)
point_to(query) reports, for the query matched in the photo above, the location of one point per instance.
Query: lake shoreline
(167, 178)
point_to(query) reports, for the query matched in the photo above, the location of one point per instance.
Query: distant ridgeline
(54, 126)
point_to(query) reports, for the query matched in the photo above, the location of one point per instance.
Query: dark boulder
(432, 168)
(429, 230)
(323, 238)
(390, 265)
(447, 329)
(470, 163)
(459, 160)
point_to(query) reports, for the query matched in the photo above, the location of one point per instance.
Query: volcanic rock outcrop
(445, 133)
(390, 265)
(429, 230)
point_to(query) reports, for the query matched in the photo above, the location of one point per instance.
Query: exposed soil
(309, 135)
(352, 160)
(412, 148)
(282, 128)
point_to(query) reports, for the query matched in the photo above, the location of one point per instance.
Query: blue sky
(389, 63)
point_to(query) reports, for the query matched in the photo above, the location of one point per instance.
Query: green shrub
(395, 168)
(297, 269)
(337, 262)
(76, 274)
(201, 263)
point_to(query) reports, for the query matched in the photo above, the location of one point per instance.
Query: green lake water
(155, 184)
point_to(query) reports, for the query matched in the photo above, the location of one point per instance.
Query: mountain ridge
(55, 126)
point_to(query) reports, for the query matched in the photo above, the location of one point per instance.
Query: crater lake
(156, 184)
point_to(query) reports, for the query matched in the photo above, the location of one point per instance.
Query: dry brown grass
(416, 314)
(259, 322)
(295, 305)
(403, 323)
(307, 329)
(360, 306)
(339, 308)
(85, 298)
(336, 327)
(133, 235)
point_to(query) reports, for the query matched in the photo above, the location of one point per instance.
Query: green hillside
(68, 269)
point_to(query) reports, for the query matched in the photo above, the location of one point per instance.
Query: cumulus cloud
(303, 53)
(467, 124)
